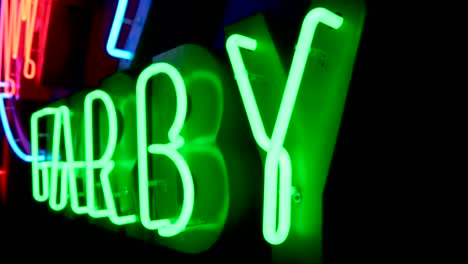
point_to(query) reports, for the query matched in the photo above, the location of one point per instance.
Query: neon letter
(105, 162)
(276, 154)
(166, 228)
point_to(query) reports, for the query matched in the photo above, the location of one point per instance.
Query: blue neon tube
(115, 32)
(9, 134)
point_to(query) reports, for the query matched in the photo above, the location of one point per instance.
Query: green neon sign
(109, 156)
(183, 109)
(277, 155)
(301, 107)
(170, 150)
(166, 139)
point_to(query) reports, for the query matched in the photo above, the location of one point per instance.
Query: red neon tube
(29, 69)
(4, 172)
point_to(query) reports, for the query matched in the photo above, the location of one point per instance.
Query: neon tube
(70, 164)
(115, 31)
(1, 41)
(105, 162)
(13, 13)
(8, 132)
(136, 30)
(38, 196)
(16, 27)
(55, 163)
(6, 46)
(273, 234)
(276, 231)
(167, 228)
(22, 138)
(29, 69)
(4, 174)
(24, 9)
(43, 38)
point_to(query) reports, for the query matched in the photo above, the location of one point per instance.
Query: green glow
(68, 171)
(38, 196)
(276, 154)
(67, 168)
(205, 82)
(192, 145)
(54, 165)
(122, 178)
(166, 227)
(105, 163)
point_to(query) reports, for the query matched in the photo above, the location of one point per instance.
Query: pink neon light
(17, 39)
